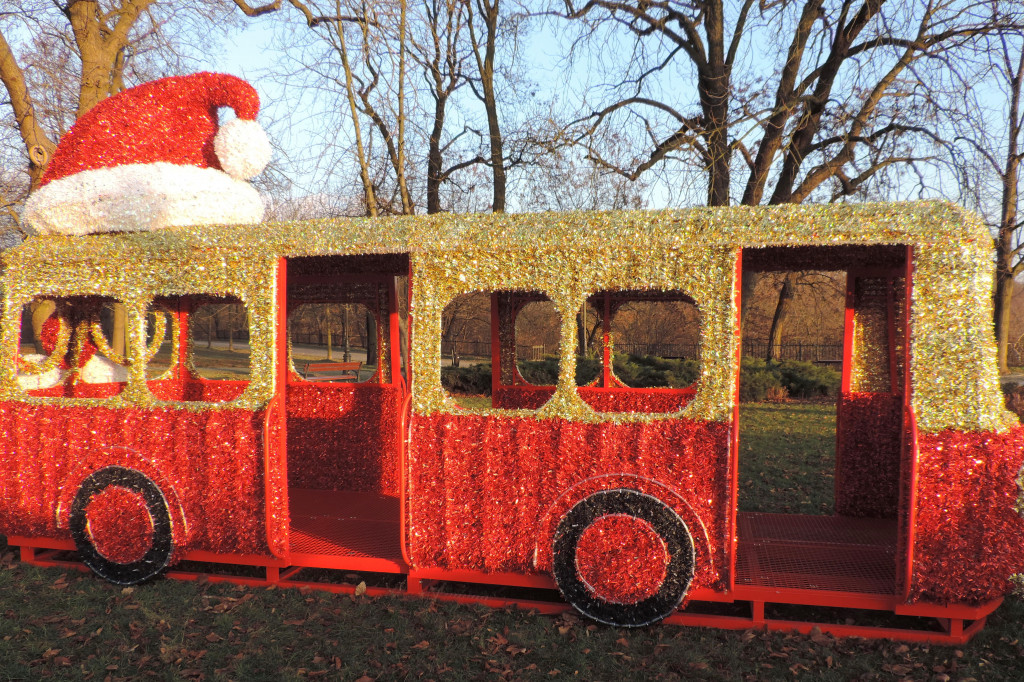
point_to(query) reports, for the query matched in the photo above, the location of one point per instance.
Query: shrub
(807, 380)
(1014, 397)
(468, 380)
(759, 380)
(645, 371)
(763, 380)
(545, 372)
(756, 380)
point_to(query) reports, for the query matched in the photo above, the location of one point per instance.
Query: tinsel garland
(969, 537)
(485, 492)
(213, 461)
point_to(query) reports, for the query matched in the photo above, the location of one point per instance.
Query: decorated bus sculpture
(624, 499)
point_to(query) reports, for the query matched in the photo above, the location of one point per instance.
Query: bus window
(466, 350)
(529, 349)
(162, 350)
(655, 343)
(334, 342)
(219, 340)
(537, 343)
(73, 347)
(647, 355)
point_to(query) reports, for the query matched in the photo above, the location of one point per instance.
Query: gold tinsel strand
(568, 257)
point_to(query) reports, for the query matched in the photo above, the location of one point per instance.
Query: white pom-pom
(242, 148)
(102, 371)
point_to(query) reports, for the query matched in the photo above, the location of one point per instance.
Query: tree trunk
(371, 339)
(485, 64)
(782, 311)
(38, 146)
(1003, 297)
(346, 354)
(713, 85)
(369, 194)
(41, 311)
(581, 332)
(434, 159)
(118, 335)
(1005, 267)
(330, 340)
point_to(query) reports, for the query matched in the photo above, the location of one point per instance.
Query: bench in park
(332, 371)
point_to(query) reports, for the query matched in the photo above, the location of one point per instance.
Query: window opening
(466, 350)
(334, 342)
(537, 343)
(73, 346)
(655, 343)
(219, 340)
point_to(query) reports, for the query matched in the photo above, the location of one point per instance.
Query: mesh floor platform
(832, 553)
(344, 524)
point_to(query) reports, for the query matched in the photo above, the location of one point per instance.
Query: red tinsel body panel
(521, 397)
(119, 525)
(343, 437)
(601, 399)
(868, 447)
(197, 390)
(485, 492)
(211, 460)
(969, 536)
(622, 558)
(78, 390)
(652, 400)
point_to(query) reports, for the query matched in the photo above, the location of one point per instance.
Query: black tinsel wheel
(157, 556)
(665, 522)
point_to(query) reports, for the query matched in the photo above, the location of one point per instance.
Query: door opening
(345, 391)
(820, 425)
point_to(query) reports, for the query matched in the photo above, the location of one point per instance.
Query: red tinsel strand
(622, 558)
(119, 525)
(134, 126)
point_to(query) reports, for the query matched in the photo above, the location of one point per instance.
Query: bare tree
(996, 147)
(108, 42)
(849, 99)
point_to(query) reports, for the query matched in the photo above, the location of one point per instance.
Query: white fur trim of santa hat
(28, 382)
(242, 148)
(102, 371)
(141, 197)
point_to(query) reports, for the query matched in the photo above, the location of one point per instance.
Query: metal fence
(821, 353)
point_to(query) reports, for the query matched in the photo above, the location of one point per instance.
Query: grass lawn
(787, 457)
(66, 625)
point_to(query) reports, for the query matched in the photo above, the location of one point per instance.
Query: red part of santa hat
(173, 120)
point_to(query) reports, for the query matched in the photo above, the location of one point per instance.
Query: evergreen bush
(759, 379)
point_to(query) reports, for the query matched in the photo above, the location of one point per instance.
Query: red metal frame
(910, 420)
(734, 440)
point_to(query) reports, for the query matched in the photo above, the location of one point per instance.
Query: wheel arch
(129, 459)
(675, 500)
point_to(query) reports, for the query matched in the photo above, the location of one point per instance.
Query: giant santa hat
(155, 156)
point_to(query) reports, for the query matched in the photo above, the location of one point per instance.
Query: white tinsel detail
(242, 148)
(27, 382)
(100, 370)
(141, 197)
